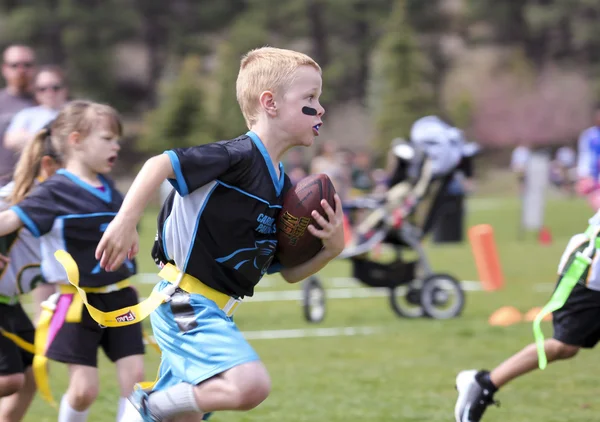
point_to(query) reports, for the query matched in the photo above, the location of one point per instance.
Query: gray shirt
(9, 106)
(32, 119)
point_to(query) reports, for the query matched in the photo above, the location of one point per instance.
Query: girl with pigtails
(69, 211)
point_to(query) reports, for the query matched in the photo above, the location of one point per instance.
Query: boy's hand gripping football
(120, 241)
(332, 227)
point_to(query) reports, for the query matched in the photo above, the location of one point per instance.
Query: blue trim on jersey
(247, 194)
(277, 183)
(179, 182)
(193, 238)
(105, 195)
(93, 214)
(27, 222)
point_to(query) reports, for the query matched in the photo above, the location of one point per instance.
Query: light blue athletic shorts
(197, 339)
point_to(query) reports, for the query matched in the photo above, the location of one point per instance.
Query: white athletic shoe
(473, 398)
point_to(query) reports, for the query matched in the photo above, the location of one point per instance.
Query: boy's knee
(560, 350)
(255, 394)
(10, 384)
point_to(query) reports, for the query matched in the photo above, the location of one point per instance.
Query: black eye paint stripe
(309, 111)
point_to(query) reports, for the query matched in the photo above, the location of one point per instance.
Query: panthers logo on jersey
(249, 260)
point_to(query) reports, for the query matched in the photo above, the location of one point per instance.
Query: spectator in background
(18, 68)
(518, 163)
(51, 94)
(328, 162)
(295, 166)
(381, 180)
(588, 158)
(563, 169)
(362, 180)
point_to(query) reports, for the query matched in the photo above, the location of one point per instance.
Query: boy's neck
(83, 172)
(273, 144)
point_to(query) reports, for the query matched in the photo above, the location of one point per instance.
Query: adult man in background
(18, 68)
(588, 163)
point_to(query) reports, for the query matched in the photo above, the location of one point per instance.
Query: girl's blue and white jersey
(70, 214)
(23, 272)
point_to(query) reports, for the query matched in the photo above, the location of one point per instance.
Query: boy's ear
(268, 103)
(74, 138)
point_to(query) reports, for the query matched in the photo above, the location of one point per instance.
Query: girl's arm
(120, 240)
(332, 235)
(10, 221)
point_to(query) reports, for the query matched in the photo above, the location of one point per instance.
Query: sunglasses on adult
(16, 65)
(53, 88)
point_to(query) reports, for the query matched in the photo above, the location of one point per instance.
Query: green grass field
(405, 369)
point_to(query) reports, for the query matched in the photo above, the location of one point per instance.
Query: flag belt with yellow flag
(571, 276)
(136, 313)
(122, 317)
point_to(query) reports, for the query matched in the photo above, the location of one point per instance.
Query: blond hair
(78, 116)
(266, 69)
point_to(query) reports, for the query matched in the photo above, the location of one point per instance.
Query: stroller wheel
(406, 300)
(442, 296)
(313, 300)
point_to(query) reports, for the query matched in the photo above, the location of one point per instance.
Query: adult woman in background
(51, 95)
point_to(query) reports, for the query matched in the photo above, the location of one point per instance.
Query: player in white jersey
(575, 319)
(21, 275)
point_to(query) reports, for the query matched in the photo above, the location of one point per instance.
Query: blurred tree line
(391, 56)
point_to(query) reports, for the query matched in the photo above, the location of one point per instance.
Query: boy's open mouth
(316, 129)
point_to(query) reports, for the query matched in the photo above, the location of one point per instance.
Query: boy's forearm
(310, 267)
(154, 172)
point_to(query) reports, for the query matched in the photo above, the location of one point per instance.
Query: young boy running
(213, 237)
(576, 325)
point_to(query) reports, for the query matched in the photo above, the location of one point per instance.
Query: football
(295, 244)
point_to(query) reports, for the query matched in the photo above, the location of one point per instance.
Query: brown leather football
(295, 244)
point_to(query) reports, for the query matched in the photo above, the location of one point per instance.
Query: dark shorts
(577, 323)
(13, 359)
(78, 343)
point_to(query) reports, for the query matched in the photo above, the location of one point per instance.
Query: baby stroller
(415, 290)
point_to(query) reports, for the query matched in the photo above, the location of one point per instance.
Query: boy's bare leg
(527, 360)
(241, 388)
(476, 389)
(14, 407)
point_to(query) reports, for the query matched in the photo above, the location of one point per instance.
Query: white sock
(177, 399)
(121, 409)
(67, 414)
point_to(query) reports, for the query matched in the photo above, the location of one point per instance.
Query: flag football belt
(73, 315)
(571, 276)
(136, 313)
